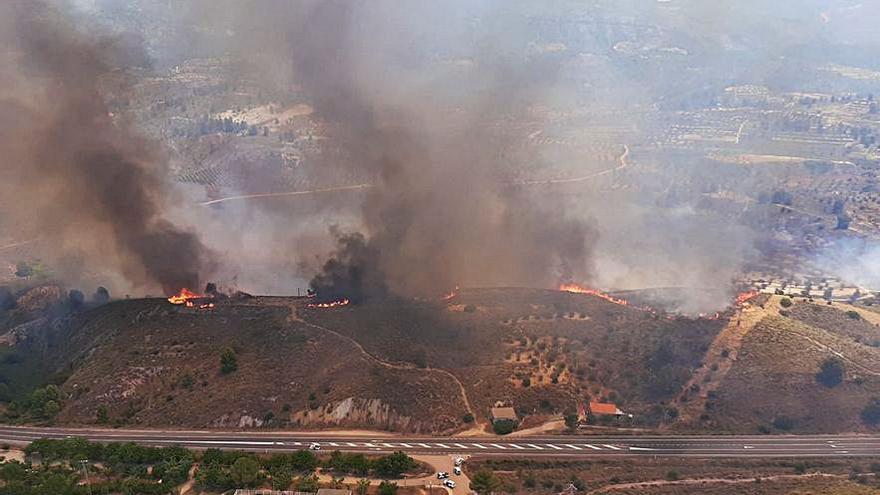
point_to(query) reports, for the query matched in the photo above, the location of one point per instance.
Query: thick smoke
(439, 214)
(71, 171)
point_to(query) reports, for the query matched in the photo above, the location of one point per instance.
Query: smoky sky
(439, 215)
(73, 172)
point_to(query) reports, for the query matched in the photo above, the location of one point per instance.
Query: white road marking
(296, 443)
(612, 447)
(351, 444)
(368, 444)
(516, 446)
(442, 446)
(406, 445)
(534, 446)
(592, 446)
(459, 446)
(388, 445)
(554, 446)
(333, 444)
(498, 446)
(479, 446)
(575, 447)
(424, 445)
(639, 448)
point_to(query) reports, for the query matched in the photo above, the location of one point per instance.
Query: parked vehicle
(442, 475)
(315, 446)
(449, 483)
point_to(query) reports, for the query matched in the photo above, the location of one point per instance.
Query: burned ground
(542, 351)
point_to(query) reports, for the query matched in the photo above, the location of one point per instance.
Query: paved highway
(571, 446)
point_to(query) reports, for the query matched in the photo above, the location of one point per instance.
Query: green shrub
(831, 373)
(228, 361)
(503, 427)
(785, 302)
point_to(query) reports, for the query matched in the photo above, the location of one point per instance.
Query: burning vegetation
(190, 299)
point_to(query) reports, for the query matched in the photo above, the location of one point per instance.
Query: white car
(458, 461)
(449, 483)
(315, 446)
(442, 475)
(456, 471)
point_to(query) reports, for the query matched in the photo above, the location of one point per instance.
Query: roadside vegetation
(76, 466)
(675, 476)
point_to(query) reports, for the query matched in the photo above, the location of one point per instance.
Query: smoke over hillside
(73, 174)
(438, 215)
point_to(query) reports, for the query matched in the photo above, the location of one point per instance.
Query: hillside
(398, 365)
(773, 387)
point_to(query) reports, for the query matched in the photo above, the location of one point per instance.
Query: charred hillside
(401, 365)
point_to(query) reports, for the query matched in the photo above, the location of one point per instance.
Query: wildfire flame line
(577, 289)
(746, 297)
(332, 304)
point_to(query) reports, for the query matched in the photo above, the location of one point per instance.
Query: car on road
(442, 475)
(456, 471)
(449, 483)
(315, 446)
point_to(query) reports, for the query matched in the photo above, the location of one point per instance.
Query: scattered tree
(503, 427)
(571, 421)
(363, 486)
(101, 415)
(468, 418)
(831, 373)
(853, 315)
(228, 361)
(387, 488)
(871, 413)
(245, 472)
(485, 482)
(785, 302)
(101, 296)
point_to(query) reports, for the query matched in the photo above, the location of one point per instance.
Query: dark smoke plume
(83, 180)
(438, 215)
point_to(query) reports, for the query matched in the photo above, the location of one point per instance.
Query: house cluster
(591, 412)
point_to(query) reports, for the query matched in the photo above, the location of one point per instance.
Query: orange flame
(449, 295)
(332, 304)
(577, 289)
(746, 297)
(184, 297)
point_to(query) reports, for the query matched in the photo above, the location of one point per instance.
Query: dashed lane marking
(497, 446)
(592, 447)
(575, 447)
(534, 446)
(442, 446)
(459, 446)
(479, 446)
(554, 446)
(516, 446)
(612, 447)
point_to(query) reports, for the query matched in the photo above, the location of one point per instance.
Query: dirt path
(187, 486)
(729, 342)
(842, 356)
(702, 481)
(294, 317)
